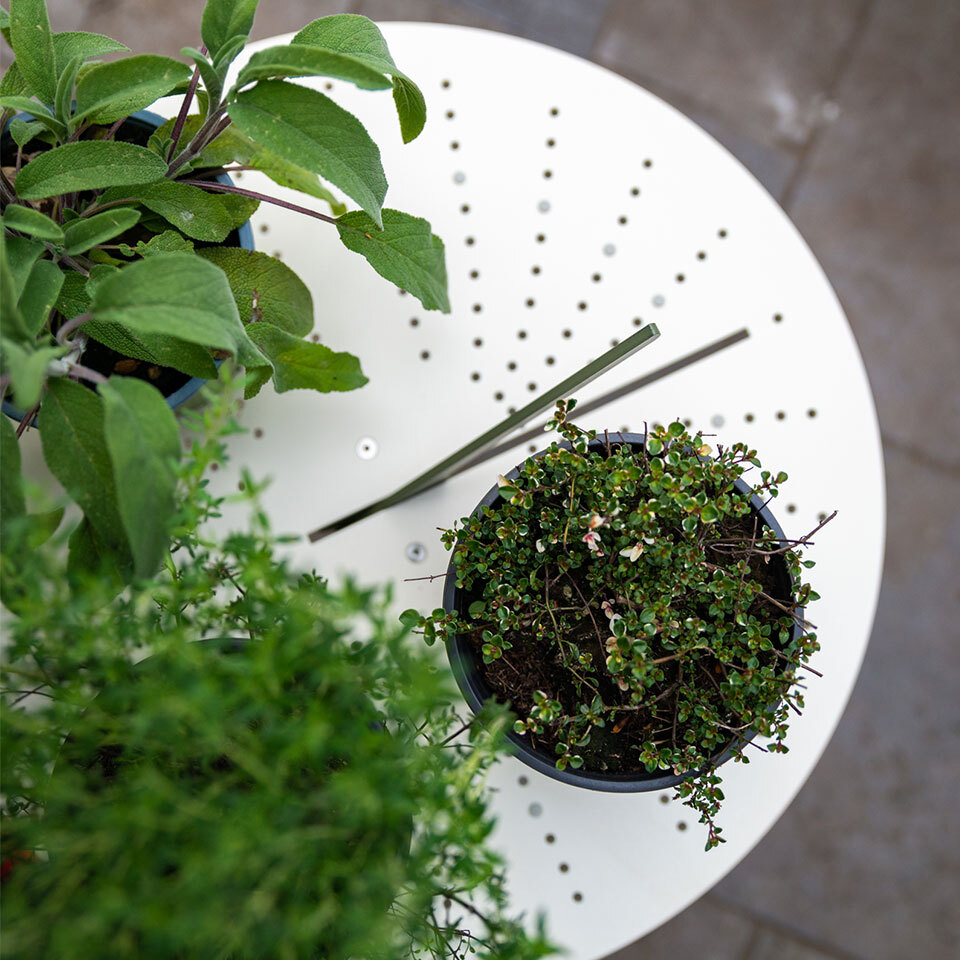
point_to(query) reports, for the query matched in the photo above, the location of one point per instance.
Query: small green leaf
(306, 128)
(32, 42)
(409, 618)
(40, 294)
(239, 208)
(302, 60)
(142, 441)
(170, 241)
(89, 557)
(115, 90)
(27, 369)
(73, 299)
(264, 288)
(12, 503)
(88, 165)
(211, 80)
(225, 19)
(37, 110)
(44, 526)
(709, 514)
(654, 446)
(361, 38)
(74, 447)
(155, 348)
(228, 53)
(64, 96)
(85, 232)
(689, 524)
(11, 322)
(23, 131)
(405, 252)
(33, 222)
(77, 43)
(14, 83)
(21, 254)
(198, 214)
(299, 364)
(412, 111)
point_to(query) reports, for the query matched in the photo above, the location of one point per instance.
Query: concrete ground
(847, 111)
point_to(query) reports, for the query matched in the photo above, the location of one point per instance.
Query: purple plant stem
(226, 188)
(184, 109)
(112, 132)
(85, 373)
(71, 325)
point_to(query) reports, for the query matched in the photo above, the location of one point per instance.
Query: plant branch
(184, 109)
(7, 191)
(112, 132)
(211, 128)
(67, 328)
(85, 373)
(228, 188)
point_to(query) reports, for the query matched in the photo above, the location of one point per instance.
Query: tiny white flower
(596, 521)
(540, 546)
(633, 553)
(592, 540)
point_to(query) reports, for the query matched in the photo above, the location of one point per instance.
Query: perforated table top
(576, 206)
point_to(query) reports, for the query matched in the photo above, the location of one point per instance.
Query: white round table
(574, 206)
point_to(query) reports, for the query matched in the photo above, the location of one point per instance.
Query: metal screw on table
(416, 552)
(367, 448)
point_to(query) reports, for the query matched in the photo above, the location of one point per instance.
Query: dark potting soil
(533, 664)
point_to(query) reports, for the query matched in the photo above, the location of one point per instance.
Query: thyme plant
(632, 607)
(115, 250)
(291, 791)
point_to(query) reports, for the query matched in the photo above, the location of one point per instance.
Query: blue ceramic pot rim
(245, 236)
(465, 671)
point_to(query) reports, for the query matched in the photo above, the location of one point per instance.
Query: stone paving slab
(847, 111)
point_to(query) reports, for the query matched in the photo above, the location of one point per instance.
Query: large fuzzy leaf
(303, 60)
(88, 165)
(264, 288)
(40, 294)
(114, 90)
(405, 252)
(32, 222)
(225, 20)
(306, 128)
(141, 438)
(193, 211)
(26, 367)
(32, 42)
(302, 365)
(83, 233)
(361, 39)
(74, 447)
(177, 295)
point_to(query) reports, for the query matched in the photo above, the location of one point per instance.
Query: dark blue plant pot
(242, 237)
(466, 671)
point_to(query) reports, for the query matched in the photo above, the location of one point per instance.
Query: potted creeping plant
(126, 267)
(636, 602)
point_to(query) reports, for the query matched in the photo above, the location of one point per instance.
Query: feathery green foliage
(233, 760)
